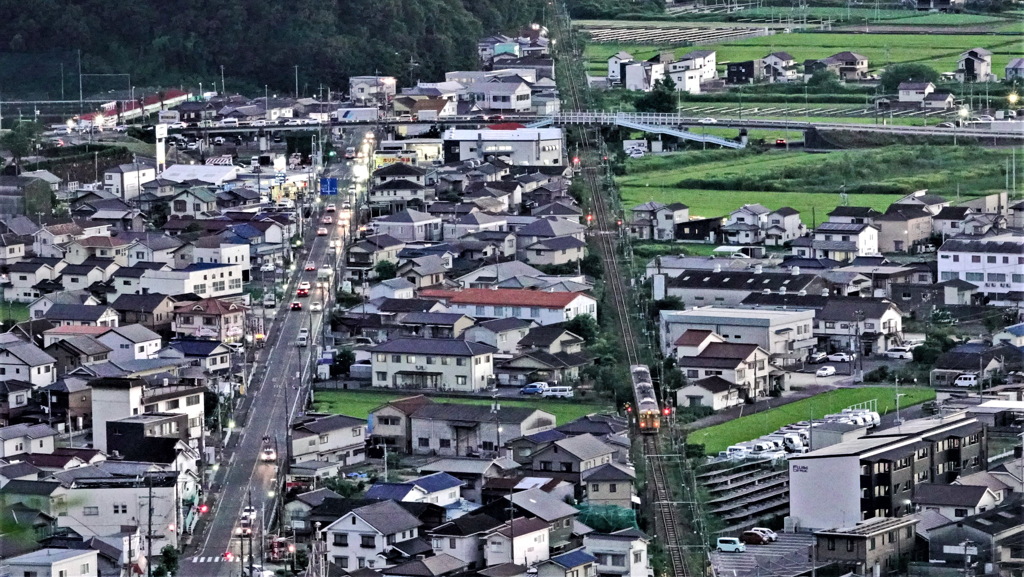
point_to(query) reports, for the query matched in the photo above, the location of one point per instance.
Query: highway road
(279, 387)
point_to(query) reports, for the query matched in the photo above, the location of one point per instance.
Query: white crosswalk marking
(215, 559)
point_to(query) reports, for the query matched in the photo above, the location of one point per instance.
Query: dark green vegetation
(257, 42)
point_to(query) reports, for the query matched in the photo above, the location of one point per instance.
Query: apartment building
(437, 364)
(994, 264)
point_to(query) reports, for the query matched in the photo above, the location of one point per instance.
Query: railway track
(604, 233)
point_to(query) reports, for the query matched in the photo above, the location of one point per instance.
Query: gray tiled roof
(452, 347)
(476, 413)
(387, 517)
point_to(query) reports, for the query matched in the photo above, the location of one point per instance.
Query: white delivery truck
(356, 114)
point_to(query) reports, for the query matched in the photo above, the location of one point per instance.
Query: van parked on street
(558, 392)
(967, 380)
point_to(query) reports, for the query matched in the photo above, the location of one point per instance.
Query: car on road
(296, 306)
(780, 142)
(346, 206)
(537, 388)
(330, 208)
(826, 371)
(268, 454)
(321, 231)
(244, 527)
(269, 267)
(707, 121)
(235, 346)
(325, 269)
(966, 380)
(316, 306)
(768, 533)
(900, 353)
(249, 512)
(120, 128)
(327, 220)
(304, 285)
(815, 358)
(841, 357)
(753, 538)
(730, 545)
(983, 118)
(945, 125)
(310, 265)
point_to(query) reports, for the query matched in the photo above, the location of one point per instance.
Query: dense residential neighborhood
(407, 336)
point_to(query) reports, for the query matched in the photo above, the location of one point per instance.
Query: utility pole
(223, 90)
(149, 529)
(296, 81)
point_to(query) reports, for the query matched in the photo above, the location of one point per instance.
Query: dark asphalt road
(279, 386)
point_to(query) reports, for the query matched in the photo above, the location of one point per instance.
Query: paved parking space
(790, 555)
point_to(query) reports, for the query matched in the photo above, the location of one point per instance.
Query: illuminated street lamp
(1012, 98)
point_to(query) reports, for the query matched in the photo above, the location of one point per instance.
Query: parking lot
(790, 555)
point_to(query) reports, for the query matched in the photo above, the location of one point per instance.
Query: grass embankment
(359, 404)
(718, 437)
(716, 182)
(940, 51)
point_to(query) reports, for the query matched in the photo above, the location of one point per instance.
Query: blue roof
(574, 559)
(436, 482)
(389, 491)
(549, 436)
(247, 231)
(1016, 330)
(195, 347)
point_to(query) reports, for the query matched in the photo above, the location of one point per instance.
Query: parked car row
(755, 536)
(544, 390)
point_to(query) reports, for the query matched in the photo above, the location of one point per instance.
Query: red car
(310, 266)
(302, 293)
(296, 306)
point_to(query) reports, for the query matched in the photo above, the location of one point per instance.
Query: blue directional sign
(328, 187)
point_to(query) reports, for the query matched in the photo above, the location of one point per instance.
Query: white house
(50, 562)
(615, 63)
(25, 439)
(206, 280)
(779, 67)
(409, 225)
(26, 362)
(334, 438)
(117, 398)
(499, 95)
(915, 92)
(783, 226)
(544, 308)
(358, 538)
(438, 364)
(126, 180)
(747, 224)
(131, 343)
(522, 540)
(992, 263)
(524, 146)
(22, 278)
(838, 241)
(703, 61)
(440, 489)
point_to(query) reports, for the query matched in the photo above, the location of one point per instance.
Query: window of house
(367, 541)
(90, 511)
(871, 544)
(849, 545)
(594, 487)
(975, 258)
(382, 376)
(460, 380)
(612, 488)
(192, 400)
(460, 361)
(566, 467)
(423, 442)
(959, 512)
(120, 508)
(446, 443)
(341, 561)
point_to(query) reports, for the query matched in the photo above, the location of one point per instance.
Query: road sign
(328, 186)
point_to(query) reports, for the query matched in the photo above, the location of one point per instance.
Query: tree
(585, 327)
(906, 72)
(661, 98)
(591, 265)
(21, 141)
(169, 557)
(345, 359)
(385, 270)
(824, 80)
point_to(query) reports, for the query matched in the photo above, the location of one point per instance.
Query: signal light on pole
(666, 411)
(590, 218)
(575, 160)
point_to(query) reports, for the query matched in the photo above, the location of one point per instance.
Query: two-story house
(85, 315)
(472, 223)
(210, 318)
(622, 553)
(439, 489)
(154, 311)
(26, 362)
(656, 221)
(332, 438)
(522, 541)
(207, 280)
(438, 364)
(747, 225)
(838, 241)
(131, 342)
(126, 180)
(610, 484)
(409, 226)
(392, 422)
(38, 308)
(915, 92)
(359, 538)
(103, 247)
(975, 65)
(544, 308)
(26, 439)
(12, 249)
(48, 241)
(464, 538)
(779, 67)
(465, 430)
(570, 458)
(846, 65)
(194, 202)
(25, 279)
(362, 256)
(903, 228)
(862, 325)
(504, 334)
(783, 226)
(114, 399)
(746, 365)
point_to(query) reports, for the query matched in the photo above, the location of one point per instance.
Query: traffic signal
(666, 411)
(618, 222)
(575, 160)
(590, 218)
(291, 548)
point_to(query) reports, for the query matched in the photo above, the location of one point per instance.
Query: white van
(559, 392)
(301, 341)
(229, 122)
(967, 380)
(269, 301)
(730, 545)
